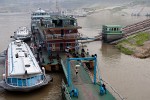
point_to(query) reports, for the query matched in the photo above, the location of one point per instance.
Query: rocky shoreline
(138, 46)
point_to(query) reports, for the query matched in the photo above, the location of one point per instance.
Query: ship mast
(57, 7)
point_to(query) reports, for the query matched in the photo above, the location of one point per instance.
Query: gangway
(80, 86)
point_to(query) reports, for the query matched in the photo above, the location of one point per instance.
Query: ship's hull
(111, 37)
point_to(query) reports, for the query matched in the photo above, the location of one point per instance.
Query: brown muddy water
(128, 75)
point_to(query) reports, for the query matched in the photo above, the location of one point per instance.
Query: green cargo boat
(111, 32)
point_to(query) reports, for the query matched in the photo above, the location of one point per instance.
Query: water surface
(128, 75)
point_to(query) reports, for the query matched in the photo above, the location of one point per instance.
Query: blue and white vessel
(22, 71)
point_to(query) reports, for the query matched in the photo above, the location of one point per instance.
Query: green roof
(112, 25)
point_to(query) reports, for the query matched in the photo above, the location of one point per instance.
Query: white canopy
(21, 60)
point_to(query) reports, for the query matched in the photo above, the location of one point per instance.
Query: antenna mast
(57, 7)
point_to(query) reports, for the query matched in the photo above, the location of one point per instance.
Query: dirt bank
(143, 51)
(137, 45)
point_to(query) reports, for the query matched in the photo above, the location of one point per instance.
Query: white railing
(62, 37)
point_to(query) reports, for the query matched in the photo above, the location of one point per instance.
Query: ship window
(14, 81)
(42, 77)
(18, 48)
(27, 65)
(114, 29)
(28, 82)
(24, 82)
(9, 80)
(117, 29)
(72, 22)
(55, 22)
(18, 43)
(68, 44)
(19, 82)
(59, 23)
(62, 32)
(108, 29)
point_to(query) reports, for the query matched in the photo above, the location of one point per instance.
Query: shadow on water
(42, 93)
(110, 55)
(110, 51)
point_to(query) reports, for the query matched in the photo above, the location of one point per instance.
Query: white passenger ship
(22, 33)
(22, 72)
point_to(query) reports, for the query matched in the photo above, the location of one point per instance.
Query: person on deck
(76, 70)
(51, 58)
(67, 50)
(58, 57)
(82, 54)
(103, 85)
(87, 52)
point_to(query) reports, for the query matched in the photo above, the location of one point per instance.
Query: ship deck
(45, 56)
(83, 82)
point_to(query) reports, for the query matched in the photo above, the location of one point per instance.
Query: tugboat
(22, 71)
(22, 34)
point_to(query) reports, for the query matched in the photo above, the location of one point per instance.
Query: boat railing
(62, 37)
(65, 91)
(64, 68)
